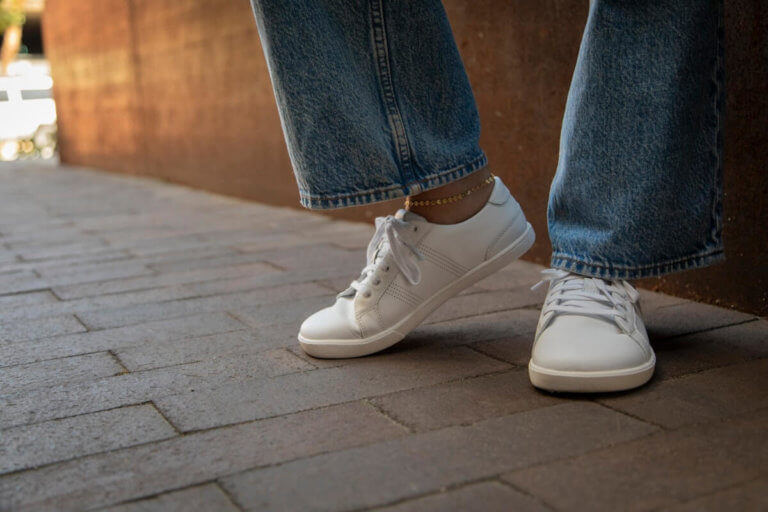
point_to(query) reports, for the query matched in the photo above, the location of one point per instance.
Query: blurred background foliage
(11, 14)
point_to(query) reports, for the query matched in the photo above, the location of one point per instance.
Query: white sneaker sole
(590, 382)
(336, 349)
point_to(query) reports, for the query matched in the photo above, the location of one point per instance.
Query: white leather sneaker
(590, 336)
(413, 267)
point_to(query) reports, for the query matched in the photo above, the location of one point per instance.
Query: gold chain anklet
(450, 199)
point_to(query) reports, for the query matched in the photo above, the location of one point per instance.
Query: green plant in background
(11, 14)
(11, 19)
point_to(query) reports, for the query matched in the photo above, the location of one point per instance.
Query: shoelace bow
(389, 235)
(574, 294)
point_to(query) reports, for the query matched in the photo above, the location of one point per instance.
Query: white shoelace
(580, 295)
(389, 237)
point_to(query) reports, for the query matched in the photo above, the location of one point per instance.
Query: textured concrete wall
(178, 89)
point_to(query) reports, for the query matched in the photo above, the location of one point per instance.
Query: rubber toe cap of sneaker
(586, 344)
(336, 322)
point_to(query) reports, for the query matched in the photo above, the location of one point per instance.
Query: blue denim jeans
(375, 104)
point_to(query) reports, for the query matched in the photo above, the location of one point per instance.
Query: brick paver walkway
(148, 361)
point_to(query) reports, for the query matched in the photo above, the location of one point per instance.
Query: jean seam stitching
(375, 196)
(473, 165)
(609, 266)
(657, 271)
(436, 175)
(717, 104)
(383, 68)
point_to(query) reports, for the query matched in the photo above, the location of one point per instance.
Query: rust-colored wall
(178, 89)
(96, 82)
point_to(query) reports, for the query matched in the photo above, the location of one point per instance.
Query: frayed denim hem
(608, 271)
(376, 195)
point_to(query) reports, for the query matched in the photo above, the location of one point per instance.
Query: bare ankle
(458, 210)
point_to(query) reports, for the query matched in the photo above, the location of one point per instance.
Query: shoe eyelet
(377, 282)
(386, 269)
(415, 228)
(367, 295)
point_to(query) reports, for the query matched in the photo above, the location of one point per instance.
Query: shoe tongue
(589, 286)
(405, 216)
(408, 216)
(380, 252)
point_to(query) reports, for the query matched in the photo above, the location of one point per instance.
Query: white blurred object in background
(27, 111)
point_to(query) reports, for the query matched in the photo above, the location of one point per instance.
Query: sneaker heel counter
(515, 228)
